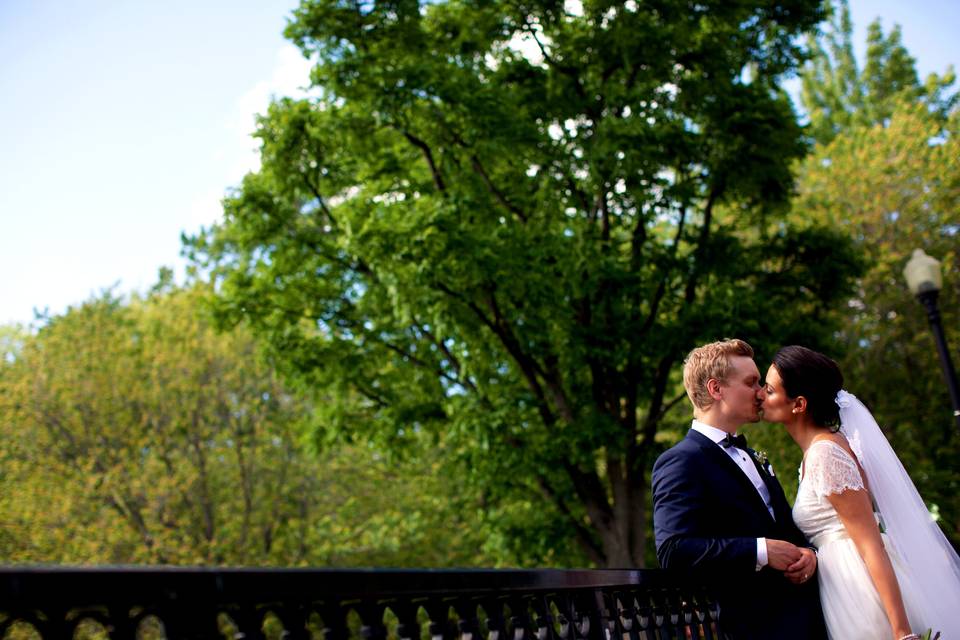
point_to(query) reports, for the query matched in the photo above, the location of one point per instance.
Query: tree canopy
(837, 94)
(134, 432)
(499, 227)
(885, 172)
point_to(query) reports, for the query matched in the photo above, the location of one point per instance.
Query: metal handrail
(194, 602)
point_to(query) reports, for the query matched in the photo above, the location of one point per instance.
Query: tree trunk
(623, 534)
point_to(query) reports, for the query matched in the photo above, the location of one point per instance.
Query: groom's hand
(782, 554)
(803, 569)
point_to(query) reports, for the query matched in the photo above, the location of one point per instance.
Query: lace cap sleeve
(830, 470)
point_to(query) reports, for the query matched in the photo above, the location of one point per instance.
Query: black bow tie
(739, 442)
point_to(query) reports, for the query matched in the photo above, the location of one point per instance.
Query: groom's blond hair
(710, 361)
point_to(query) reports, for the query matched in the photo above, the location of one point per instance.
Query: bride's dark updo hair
(814, 376)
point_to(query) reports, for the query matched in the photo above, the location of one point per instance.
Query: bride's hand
(804, 568)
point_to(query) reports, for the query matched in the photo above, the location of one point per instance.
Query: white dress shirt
(746, 465)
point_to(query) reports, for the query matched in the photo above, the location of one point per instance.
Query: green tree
(893, 188)
(133, 432)
(503, 225)
(837, 94)
(885, 172)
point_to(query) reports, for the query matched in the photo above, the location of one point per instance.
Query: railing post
(438, 609)
(408, 627)
(334, 622)
(294, 619)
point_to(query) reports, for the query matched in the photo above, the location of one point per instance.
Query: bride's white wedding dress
(851, 605)
(926, 565)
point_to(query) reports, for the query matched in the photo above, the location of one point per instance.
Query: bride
(885, 569)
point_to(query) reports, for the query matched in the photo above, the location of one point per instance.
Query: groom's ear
(713, 388)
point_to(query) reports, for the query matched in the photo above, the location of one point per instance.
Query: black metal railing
(174, 602)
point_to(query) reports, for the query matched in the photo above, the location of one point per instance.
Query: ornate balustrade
(171, 602)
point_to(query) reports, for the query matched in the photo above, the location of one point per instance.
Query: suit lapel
(777, 499)
(713, 451)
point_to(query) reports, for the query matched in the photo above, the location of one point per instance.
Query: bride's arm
(856, 514)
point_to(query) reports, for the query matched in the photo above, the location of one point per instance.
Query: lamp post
(925, 281)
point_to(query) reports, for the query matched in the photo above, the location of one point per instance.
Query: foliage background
(206, 425)
(884, 169)
(134, 432)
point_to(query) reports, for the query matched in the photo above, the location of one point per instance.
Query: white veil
(915, 536)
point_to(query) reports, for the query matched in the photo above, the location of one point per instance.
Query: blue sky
(123, 124)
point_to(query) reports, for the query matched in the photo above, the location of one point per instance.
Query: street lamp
(923, 277)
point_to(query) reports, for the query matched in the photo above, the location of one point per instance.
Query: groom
(718, 509)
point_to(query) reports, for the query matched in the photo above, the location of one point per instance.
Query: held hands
(796, 563)
(804, 568)
(781, 554)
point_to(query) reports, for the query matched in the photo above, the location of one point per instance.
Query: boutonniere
(761, 458)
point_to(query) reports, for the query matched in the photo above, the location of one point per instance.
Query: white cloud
(239, 154)
(290, 77)
(204, 210)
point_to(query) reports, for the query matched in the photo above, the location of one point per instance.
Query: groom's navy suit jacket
(707, 517)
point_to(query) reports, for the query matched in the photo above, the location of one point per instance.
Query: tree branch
(566, 70)
(671, 404)
(528, 367)
(206, 503)
(594, 551)
(123, 504)
(554, 380)
(691, 288)
(662, 285)
(592, 494)
(528, 364)
(314, 189)
(420, 362)
(514, 209)
(428, 154)
(371, 395)
(656, 400)
(620, 489)
(451, 358)
(246, 481)
(605, 211)
(581, 196)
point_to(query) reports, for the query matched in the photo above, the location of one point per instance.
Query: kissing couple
(857, 557)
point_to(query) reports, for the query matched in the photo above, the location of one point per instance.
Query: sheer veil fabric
(914, 535)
